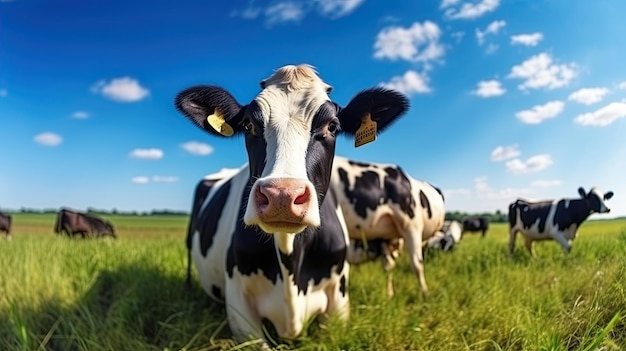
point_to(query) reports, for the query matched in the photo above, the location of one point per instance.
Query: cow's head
(290, 130)
(595, 199)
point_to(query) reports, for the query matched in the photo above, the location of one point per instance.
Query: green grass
(128, 294)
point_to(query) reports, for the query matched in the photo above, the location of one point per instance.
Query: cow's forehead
(595, 191)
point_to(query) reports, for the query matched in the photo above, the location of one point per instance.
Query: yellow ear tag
(366, 132)
(219, 124)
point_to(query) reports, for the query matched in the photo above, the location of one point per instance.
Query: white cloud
(140, 180)
(4, 92)
(282, 12)
(533, 164)
(540, 113)
(337, 8)
(489, 88)
(48, 139)
(164, 179)
(539, 72)
(588, 96)
(531, 39)
(418, 43)
(545, 183)
(197, 148)
(501, 153)
(409, 83)
(622, 85)
(604, 116)
(493, 28)
(124, 89)
(80, 115)
(452, 193)
(468, 10)
(150, 154)
(484, 191)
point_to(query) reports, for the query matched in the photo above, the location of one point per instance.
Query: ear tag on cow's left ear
(366, 132)
(219, 124)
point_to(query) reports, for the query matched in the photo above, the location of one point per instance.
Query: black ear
(199, 102)
(608, 195)
(582, 193)
(384, 106)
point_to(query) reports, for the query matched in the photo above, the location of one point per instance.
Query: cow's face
(290, 130)
(596, 200)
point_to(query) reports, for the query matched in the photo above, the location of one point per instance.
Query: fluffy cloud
(493, 28)
(284, 12)
(604, 116)
(489, 88)
(501, 153)
(539, 72)
(418, 43)
(337, 8)
(149, 154)
(533, 164)
(451, 193)
(409, 83)
(484, 191)
(140, 180)
(545, 183)
(155, 179)
(622, 85)
(531, 39)
(468, 10)
(124, 89)
(80, 115)
(540, 113)
(48, 139)
(588, 96)
(197, 148)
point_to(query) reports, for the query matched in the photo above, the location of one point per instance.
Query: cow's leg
(338, 298)
(528, 242)
(512, 235)
(565, 244)
(244, 322)
(414, 247)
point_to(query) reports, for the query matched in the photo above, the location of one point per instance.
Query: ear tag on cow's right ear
(366, 132)
(219, 124)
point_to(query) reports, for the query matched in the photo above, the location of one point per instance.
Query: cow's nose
(282, 200)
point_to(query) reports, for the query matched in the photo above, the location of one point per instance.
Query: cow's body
(271, 241)
(5, 224)
(476, 224)
(381, 201)
(447, 237)
(74, 223)
(557, 220)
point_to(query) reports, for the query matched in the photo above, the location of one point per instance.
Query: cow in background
(274, 243)
(381, 201)
(5, 224)
(73, 223)
(476, 224)
(554, 219)
(447, 238)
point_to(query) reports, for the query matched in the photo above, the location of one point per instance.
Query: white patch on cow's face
(596, 192)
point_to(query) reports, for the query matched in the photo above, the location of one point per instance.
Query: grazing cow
(448, 237)
(476, 224)
(381, 201)
(271, 240)
(5, 224)
(554, 219)
(73, 223)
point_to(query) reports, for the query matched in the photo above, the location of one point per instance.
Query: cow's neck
(580, 211)
(284, 244)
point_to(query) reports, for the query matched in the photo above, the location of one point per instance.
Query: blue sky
(508, 98)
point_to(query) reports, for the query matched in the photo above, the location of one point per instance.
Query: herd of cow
(274, 239)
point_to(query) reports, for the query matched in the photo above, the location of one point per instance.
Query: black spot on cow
(398, 190)
(366, 191)
(426, 204)
(361, 164)
(530, 213)
(343, 286)
(570, 212)
(216, 291)
(207, 221)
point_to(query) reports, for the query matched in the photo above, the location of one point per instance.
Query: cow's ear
(608, 195)
(383, 106)
(582, 193)
(211, 108)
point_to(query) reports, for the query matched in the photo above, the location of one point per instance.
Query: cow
(73, 222)
(557, 220)
(447, 237)
(271, 241)
(476, 224)
(381, 201)
(5, 224)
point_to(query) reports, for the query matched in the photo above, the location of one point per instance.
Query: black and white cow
(447, 237)
(381, 201)
(273, 243)
(476, 224)
(554, 219)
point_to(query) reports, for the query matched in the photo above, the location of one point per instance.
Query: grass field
(128, 294)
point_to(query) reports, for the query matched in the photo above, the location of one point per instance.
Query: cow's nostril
(260, 198)
(302, 198)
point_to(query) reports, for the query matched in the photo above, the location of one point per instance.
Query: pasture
(58, 293)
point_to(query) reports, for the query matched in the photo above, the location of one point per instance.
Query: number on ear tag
(366, 132)
(219, 124)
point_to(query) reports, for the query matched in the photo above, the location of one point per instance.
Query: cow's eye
(333, 127)
(247, 126)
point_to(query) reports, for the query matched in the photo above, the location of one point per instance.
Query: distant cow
(271, 241)
(476, 224)
(448, 237)
(554, 219)
(5, 224)
(73, 223)
(381, 201)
